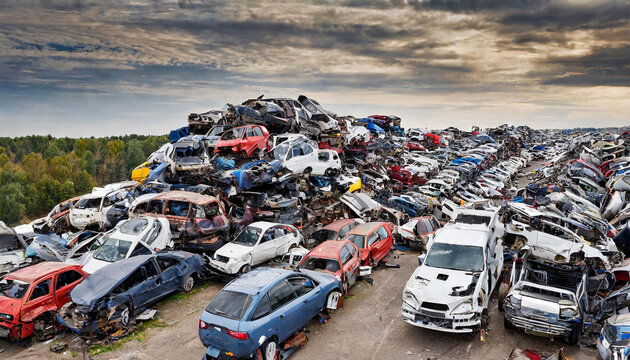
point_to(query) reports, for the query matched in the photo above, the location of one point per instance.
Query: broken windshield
(280, 151)
(233, 134)
(14, 289)
(313, 263)
(455, 257)
(88, 203)
(248, 237)
(113, 250)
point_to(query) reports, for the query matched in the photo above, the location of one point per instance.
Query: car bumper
(228, 267)
(5, 330)
(451, 324)
(538, 326)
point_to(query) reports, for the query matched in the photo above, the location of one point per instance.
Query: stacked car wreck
(292, 205)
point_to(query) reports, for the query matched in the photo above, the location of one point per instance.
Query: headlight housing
(567, 309)
(512, 300)
(411, 300)
(464, 308)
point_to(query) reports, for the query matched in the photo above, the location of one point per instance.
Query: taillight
(202, 325)
(237, 335)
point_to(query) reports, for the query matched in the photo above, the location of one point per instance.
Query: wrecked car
(419, 231)
(257, 243)
(91, 211)
(138, 236)
(339, 258)
(334, 231)
(30, 298)
(450, 290)
(255, 313)
(375, 239)
(12, 249)
(198, 222)
(303, 156)
(614, 341)
(113, 295)
(244, 141)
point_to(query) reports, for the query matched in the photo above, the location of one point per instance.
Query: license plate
(213, 352)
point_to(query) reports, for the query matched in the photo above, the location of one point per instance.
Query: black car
(121, 290)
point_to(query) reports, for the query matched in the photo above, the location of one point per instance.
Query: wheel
(330, 172)
(189, 283)
(293, 246)
(245, 269)
(124, 315)
(270, 350)
(507, 324)
(307, 172)
(261, 153)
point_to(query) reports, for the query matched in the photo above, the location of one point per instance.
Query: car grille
(539, 326)
(434, 306)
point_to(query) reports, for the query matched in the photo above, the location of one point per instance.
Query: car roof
(462, 234)
(38, 271)
(264, 225)
(337, 225)
(365, 229)
(329, 249)
(255, 281)
(186, 196)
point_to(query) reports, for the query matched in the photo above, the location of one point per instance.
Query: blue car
(614, 341)
(263, 308)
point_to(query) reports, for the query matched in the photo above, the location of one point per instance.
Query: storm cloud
(89, 67)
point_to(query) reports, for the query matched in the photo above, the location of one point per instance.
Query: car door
(284, 309)
(148, 286)
(40, 300)
(283, 238)
(305, 303)
(350, 263)
(169, 268)
(64, 283)
(381, 244)
(265, 248)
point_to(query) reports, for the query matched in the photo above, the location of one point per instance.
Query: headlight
(411, 300)
(516, 303)
(567, 312)
(463, 308)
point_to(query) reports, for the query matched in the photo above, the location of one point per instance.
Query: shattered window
(229, 304)
(421, 227)
(233, 134)
(155, 207)
(14, 289)
(314, 263)
(301, 285)
(89, 203)
(345, 255)
(165, 263)
(248, 237)
(280, 151)
(323, 235)
(140, 250)
(113, 250)
(212, 210)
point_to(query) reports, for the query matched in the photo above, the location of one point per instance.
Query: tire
(125, 315)
(189, 283)
(330, 172)
(269, 350)
(245, 269)
(307, 172)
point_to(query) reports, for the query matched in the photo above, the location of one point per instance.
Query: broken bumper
(538, 324)
(441, 322)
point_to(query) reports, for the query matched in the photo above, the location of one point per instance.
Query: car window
(140, 250)
(324, 156)
(382, 233)
(257, 131)
(428, 224)
(307, 149)
(345, 255)
(67, 278)
(315, 263)
(177, 208)
(41, 289)
(165, 263)
(301, 285)
(200, 212)
(269, 235)
(372, 239)
(212, 210)
(249, 132)
(155, 207)
(280, 294)
(263, 308)
(358, 240)
(351, 249)
(157, 229)
(335, 156)
(151, 269)
(344, 230)
(229, 304)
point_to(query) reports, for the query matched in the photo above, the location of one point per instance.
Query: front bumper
(538, 324)
(440, 321)
(229, 267)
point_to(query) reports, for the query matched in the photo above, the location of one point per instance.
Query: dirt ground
(369, 326)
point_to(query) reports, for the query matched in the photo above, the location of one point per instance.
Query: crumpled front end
(83, 319)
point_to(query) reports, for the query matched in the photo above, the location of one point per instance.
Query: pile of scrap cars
(291, 205)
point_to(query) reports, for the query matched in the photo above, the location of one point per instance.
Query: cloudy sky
(110, 67)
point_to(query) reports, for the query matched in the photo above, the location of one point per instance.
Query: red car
(405, 176)
(340, 258)
(243, 140)
(375, 240)
(31, 297)
(334, 231)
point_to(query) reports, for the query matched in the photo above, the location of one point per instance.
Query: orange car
(340, 258)
(375, 240)
(243, 140)
(31, 297)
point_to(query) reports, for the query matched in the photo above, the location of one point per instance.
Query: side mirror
(421, 259)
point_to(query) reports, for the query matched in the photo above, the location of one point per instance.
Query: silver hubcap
(125, 317)
(271, 351)
(189, 284)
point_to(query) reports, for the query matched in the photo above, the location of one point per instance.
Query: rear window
(472, 219)
(313, 263)
(229, 304)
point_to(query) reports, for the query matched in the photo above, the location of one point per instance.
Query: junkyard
(277, 229)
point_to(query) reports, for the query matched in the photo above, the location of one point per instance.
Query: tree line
(38, 172)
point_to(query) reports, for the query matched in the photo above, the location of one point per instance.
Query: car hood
(10, 306)
(90, 264)
(436, 290)
(232, 250)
